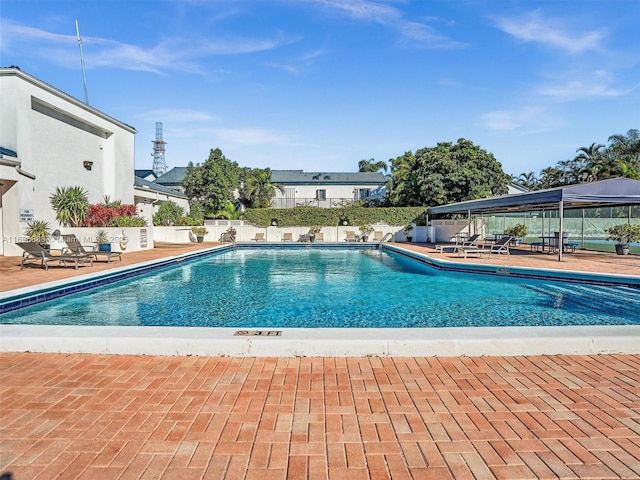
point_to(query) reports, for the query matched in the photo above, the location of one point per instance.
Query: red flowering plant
(99, 215)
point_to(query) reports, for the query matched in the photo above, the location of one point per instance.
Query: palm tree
(625, 152)
(258, 188)
(590, 160)
(372, 166)
(528, 181)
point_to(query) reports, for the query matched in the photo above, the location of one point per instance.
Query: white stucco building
(49, 139)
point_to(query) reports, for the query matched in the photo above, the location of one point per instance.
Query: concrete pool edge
(330, 342)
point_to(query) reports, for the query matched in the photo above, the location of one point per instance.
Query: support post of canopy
(560, 226)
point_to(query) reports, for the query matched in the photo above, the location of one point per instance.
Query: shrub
(70, 205)
(624, 233)
(518, 230)
(169, 213)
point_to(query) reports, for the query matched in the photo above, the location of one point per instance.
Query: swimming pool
(332, 288)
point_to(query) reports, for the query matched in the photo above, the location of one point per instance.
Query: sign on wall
(26, 215)
(143, 238)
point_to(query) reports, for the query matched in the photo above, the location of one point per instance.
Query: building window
(321, 194)
(363, 193)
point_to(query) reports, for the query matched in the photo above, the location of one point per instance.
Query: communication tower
(159, 165)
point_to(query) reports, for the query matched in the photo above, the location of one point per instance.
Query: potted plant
(199, 232)
(39, 232)
(623, 235)
(519, 230)
(103, 240)
(313, 231)
(365, 230)
(407, 232)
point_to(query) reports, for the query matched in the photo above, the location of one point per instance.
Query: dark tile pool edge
(47, 293)
(572, 276)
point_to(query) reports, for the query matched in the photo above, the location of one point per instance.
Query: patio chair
(501, 246)
(74, 247)
(471, 242)
(378, 236)
(259, 237)
(34, 253)
(319, 237)
(287, 237)
(351, 236)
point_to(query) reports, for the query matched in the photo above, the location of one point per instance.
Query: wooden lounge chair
(501, 246)
(74, 247)
(287, 237)
(378, 236)
(35, 253)
(351, 236)
(259, 237)
(319, 237)
(471, 242)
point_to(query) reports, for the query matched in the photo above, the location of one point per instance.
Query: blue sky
(320, 84)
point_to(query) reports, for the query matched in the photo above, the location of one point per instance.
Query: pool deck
(123, 417)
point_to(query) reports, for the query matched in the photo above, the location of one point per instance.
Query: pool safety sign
(258, 333)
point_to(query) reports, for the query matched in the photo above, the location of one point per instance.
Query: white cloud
(391, 17)
(549, 31)
(528, 119)
(580, 89)
(179, 54)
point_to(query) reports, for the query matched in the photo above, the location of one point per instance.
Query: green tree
(212, 183)
(70, 205)
(372, 166)
(169, 213)
(448, 173)
(528, 181)
(257, 189)
(403, 188)
(624, 150)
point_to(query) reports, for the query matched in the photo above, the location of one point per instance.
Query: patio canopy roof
(615, 191)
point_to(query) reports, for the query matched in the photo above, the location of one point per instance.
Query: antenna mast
(84, 76)
(159, 164)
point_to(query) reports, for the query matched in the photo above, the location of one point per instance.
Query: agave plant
(70, 205)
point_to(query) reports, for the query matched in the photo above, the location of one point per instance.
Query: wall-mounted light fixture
(87, 165)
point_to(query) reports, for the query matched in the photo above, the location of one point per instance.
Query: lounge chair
(501, 246)
(378, 236)
(34, 253)
(319, 237)
(259, 237)
(287, 237)
(471, 242)
(351, 236)
(74, 247)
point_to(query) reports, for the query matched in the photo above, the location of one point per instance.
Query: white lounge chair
(471, 242)
(502, 246)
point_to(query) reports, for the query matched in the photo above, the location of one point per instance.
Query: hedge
(309, 216)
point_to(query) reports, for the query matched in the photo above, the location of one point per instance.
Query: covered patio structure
(612, 192)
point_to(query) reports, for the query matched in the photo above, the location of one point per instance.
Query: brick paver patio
(143, 417)
(131, 417)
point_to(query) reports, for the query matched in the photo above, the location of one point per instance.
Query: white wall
(53, 135)
(246, 233)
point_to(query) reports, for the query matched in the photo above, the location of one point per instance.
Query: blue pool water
(310, 288)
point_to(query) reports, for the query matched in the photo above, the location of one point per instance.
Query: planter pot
(409, 239)
(622, 248)
(365, 238)
(199, 238)
(104, 247)
(312, 238)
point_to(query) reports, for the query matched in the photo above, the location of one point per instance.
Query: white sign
(26, 215)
